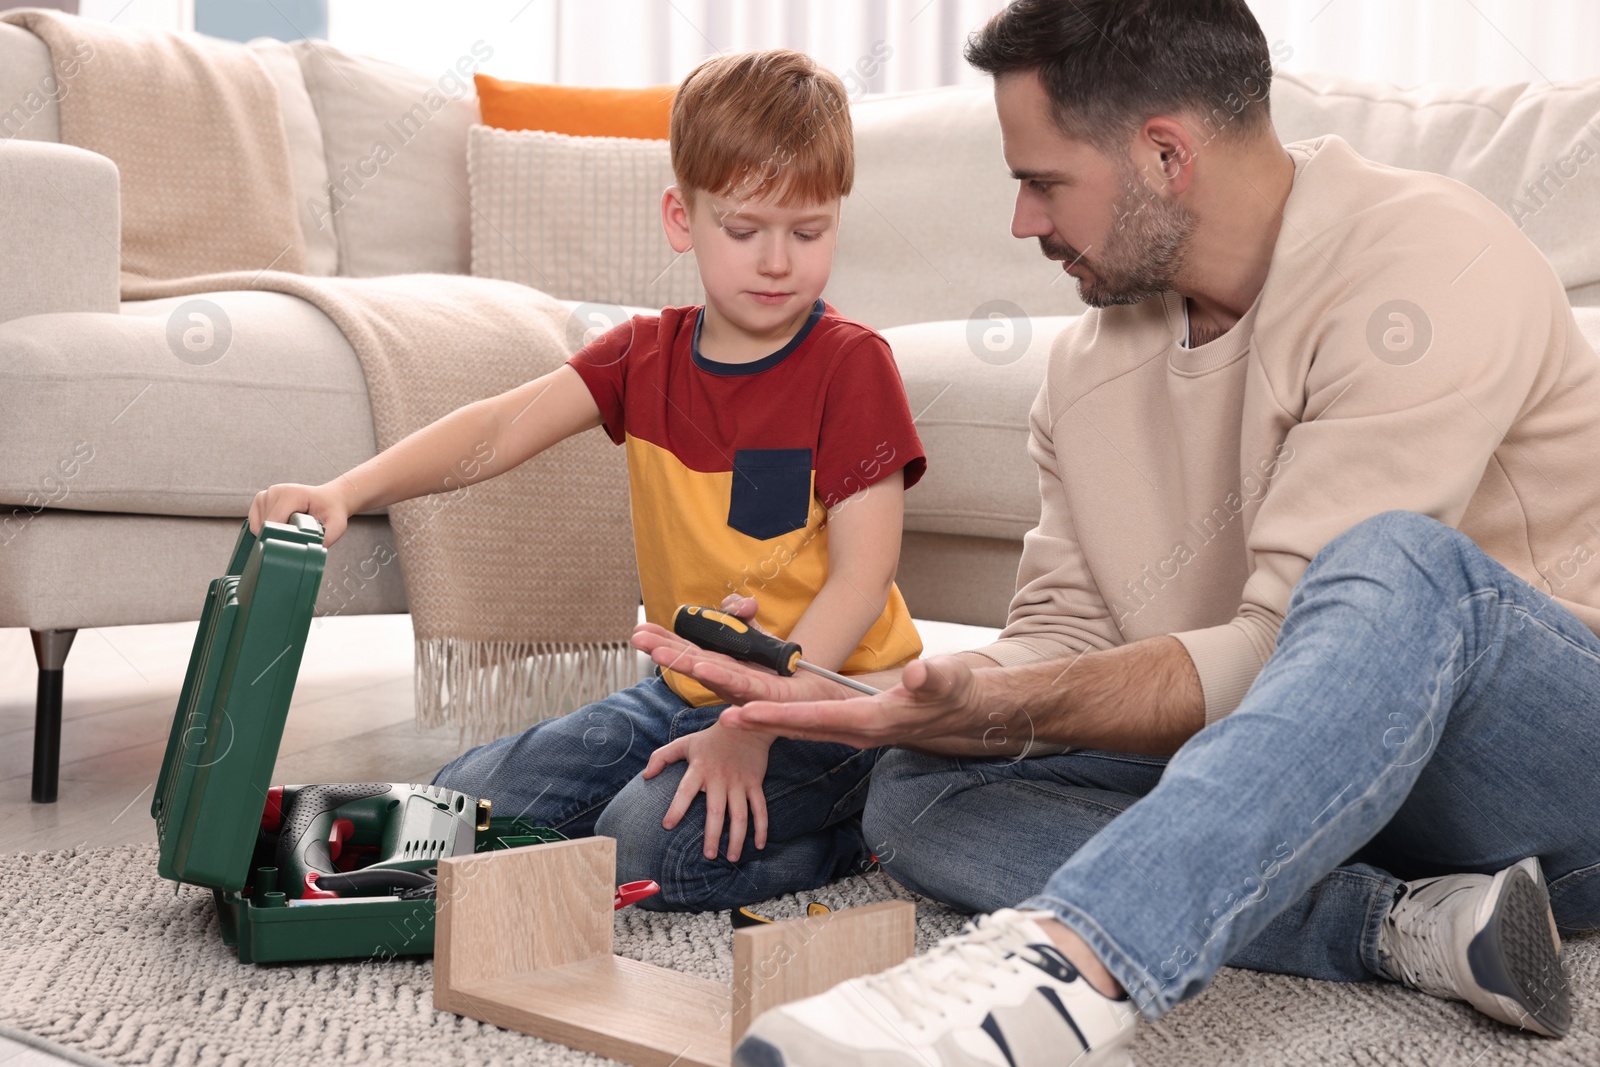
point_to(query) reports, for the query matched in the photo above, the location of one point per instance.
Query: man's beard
(1143, 253)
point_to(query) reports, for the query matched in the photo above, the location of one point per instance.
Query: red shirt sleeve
(866, 433)
(603, 366)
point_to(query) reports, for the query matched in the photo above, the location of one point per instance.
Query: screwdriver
(718, 631)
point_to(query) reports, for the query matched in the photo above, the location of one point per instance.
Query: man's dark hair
(1110, 65)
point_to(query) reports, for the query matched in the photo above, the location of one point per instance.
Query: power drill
(366, 838)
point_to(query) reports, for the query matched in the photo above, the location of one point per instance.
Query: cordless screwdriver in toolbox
(718, 631)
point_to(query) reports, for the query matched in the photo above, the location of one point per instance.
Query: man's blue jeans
(1426, 711)
(580, 774)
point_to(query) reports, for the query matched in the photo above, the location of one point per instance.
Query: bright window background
(650, 42)
(1453, 42)
(646, 42)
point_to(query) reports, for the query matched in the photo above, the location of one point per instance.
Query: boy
(769, 443)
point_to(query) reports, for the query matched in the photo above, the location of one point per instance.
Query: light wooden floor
(351, 720)
(16, 1054)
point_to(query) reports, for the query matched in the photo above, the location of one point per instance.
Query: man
(1304, 466)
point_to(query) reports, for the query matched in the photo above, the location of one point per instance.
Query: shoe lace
(1421, 950)
(925, 985)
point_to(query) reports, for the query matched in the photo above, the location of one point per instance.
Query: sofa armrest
(60, 230)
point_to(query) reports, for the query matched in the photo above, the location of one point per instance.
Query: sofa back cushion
(395, 144)
(926, 233)
(1534, 150)
(308, 169)
(29, 87)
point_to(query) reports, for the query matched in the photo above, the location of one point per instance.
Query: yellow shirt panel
(688, 554)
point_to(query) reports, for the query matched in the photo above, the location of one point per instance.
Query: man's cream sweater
(1410, 350)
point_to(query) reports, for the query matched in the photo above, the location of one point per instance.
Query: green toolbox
(297, 872)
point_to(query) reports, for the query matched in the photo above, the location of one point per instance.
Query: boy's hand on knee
(728, 766)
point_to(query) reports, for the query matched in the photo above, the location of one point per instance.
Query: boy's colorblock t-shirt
(732, 467)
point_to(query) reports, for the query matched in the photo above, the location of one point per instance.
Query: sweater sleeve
(1412, 364)
(1057, 610)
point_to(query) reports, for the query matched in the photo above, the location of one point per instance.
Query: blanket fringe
(491, 689)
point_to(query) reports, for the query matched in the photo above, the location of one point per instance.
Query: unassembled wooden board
(523, 940)
(774, 964)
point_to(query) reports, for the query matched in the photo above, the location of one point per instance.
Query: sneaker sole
(756, 1051)
(1514, 957)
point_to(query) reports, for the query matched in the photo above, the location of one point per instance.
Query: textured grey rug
(98, 956)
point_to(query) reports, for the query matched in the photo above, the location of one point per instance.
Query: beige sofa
(128, 469)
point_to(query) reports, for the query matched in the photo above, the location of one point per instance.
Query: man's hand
(728, 766)
(325, 503)
(1144, 697)
(938, 707)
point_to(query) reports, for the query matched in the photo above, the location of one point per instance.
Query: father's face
(1121, 240)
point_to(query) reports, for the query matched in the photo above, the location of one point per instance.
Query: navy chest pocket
(771, 493)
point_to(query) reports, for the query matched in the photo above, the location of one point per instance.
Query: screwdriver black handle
(717, 631)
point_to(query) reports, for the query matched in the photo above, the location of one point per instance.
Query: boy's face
(762, 265)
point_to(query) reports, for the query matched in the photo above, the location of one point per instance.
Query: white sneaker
(1488, 940)
(998, 994)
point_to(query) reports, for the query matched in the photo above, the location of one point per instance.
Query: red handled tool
(628, 892)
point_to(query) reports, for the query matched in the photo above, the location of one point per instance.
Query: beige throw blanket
(194, 128)
(522, 589)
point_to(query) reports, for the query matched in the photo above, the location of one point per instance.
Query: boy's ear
(675, 219)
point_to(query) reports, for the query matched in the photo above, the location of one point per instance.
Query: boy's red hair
(763, 124)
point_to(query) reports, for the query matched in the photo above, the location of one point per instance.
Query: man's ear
(675, 219)
(1168, 153)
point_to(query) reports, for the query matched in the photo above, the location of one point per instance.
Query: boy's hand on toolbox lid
(322, 502)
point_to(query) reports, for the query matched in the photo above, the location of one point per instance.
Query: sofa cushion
(308, 168)
(62, 570)
(183, 406)
(926, 232)
(1532, 149)
(163, 423)
(395, 142)
(971, 384)
(29, 87)
(577, 217)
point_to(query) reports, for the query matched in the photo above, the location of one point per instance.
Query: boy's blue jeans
(1426, 711)
(580, 774)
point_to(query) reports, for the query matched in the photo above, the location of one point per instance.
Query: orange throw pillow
(576, 111)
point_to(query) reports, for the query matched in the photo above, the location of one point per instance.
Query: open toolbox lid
(235, 698)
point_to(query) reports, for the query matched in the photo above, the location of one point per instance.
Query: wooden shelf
(523, 941)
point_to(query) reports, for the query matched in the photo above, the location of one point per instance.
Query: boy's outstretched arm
(729, 765)
(474, 442)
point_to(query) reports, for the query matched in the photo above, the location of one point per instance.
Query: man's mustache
(1059, 250)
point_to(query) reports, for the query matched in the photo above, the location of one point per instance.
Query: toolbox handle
(301, 528)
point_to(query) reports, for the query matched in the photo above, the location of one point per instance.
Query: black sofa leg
(50, 649)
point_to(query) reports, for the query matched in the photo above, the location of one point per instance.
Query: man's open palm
(935, 708)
